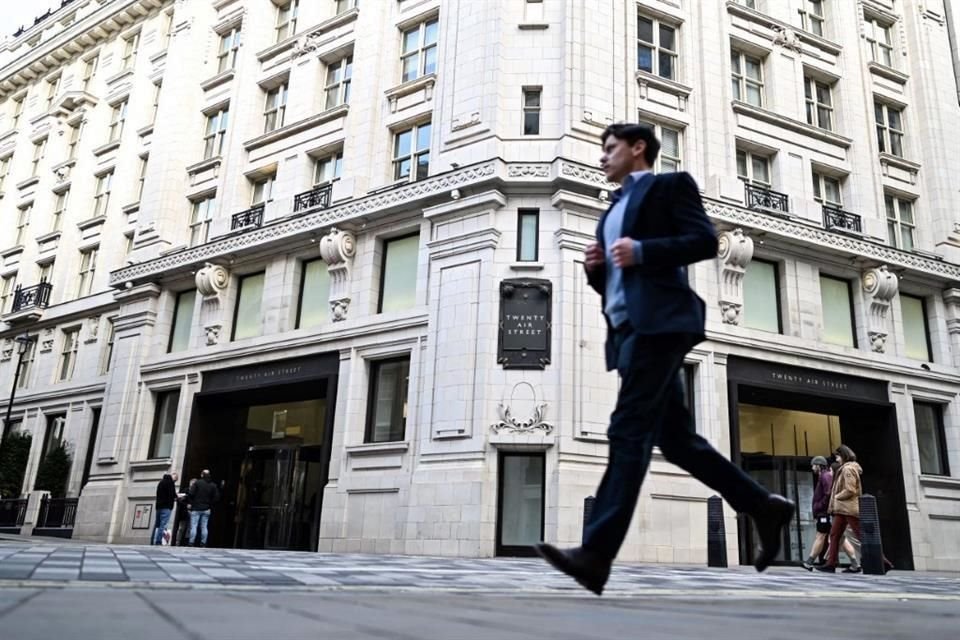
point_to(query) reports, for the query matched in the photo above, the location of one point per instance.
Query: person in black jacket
(166, 497)
(203, 495)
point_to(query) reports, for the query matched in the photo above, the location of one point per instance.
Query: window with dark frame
(916, 328)
(107, 360)
(531, 111)
(836, 304)
(314, 299)
(387, 408)
(761, 297)
(931, 439)
(528, 232)
(182, 321)
(656, 47)
(248, 312)
(411, 153)
(398, 273)
(53, 434)
(164, 423)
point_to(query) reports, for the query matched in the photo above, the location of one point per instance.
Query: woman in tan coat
(844, 504)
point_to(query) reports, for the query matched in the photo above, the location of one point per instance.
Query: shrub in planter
(54, 472)
(14, 454)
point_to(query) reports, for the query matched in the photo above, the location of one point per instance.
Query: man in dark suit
(654, 228)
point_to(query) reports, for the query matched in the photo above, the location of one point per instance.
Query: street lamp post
(23, 341)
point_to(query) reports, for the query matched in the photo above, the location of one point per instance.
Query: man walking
(821, 500)
(203, 495)
(166, 497)
(654, 228)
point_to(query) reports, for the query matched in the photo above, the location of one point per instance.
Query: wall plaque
(524, 336)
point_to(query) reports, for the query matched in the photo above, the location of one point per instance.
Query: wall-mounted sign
(142, 516)
(525, 323)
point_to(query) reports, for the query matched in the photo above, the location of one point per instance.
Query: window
(314, 307)
(342, 6)
(531, 111)
(167, 29)
(750, 4)
(144, 161)
(26, 366)
(75, 132)
(337, 87)
(819, 103)
(4, 168)
(68, 355)
(328, 169)
(108, 342)
(88, 267)
(387, 411)
(89, 71)
(520, 512)
(747, 78)
(889, 128)
(900, 224)
(130, 46)
(60, 205)
(275, 108)
(246, 321)
(39, 150)
(916, 330)
(101, 198)
(761, 297)
(17, 110)
(931, 439)
(156, 102)
(287, 20)
(182, 320)
(669, 159)
(164, 423)
(262, 190)
(411, 148)
(117, 120)
(826, 190)
(53, 86)
(45, 271)
(216, 133)
(398, 275)
(813, 17)
(23, 221)
(528, 232)
(836, 301)
(879, 40)
(53, 435)
(753, 168)
(229, 47)
(656, 48)
(419, 56)
(7, 289)
(200, 216)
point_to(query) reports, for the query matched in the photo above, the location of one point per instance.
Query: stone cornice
(771, 117)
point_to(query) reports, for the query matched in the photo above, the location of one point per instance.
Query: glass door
(790, 477)
(520, 513)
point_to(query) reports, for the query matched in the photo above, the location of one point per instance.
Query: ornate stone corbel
(93, 329)
(788, 39)
(337, 249)
(735, 253)
(211, 281)
(879, 286)
(305, 45)
(7, 351)
(46, 344)
(212, 332)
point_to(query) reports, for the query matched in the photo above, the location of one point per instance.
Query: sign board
(525, 323)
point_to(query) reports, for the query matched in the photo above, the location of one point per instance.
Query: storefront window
(398, 277)
(387, 415)
(782, 432)
(314, 295)
(294, 423)
(521, 502)
(247, 322)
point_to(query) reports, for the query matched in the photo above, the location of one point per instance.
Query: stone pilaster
(951, 298)
(879, 287)
(736, 251)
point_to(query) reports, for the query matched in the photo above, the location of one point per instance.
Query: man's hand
(621, 252)
(593, 256)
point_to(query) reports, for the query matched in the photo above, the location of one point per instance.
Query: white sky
(17, 13)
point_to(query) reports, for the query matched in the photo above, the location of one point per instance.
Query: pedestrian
(181, 527)
(820, 508)
(166, 498)
(655, 227)
(202, 495)
(844, 507)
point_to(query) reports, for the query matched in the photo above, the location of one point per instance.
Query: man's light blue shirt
(616, 304)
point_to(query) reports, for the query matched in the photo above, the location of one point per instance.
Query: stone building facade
(332, 251)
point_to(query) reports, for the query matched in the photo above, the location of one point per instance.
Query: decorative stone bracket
(337, 249)
(212, 281)
(879, 286)
(951, 298)
(735, 252)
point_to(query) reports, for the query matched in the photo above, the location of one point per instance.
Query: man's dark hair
(846, 453)
(631, 133)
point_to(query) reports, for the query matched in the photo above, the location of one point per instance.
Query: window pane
(645, 29)
(837, 319)
(667, 38)
(164, 424)
(666, 65)
(315, 295)
(742, 164)
(521, 497)
(531, 123)
(183, 320)
(754, 96)
(670, 143)
(527, 243)
(411, 40)
(430, 60)
(929, 426)
(410, 66)
(753, 68)
(760, 297)
(831, 189)
(423, 137)
(760, 169)
(531, 98)
(430, 33)
(389, 401)
(401, 147)
(400, 273)
(914, 328)
(248, 322)
(644, 58)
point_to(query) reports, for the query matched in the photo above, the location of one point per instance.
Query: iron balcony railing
(836, 218)
(35, 297)
(252, 217)
(12, 512)
(318, 197)
(57, 513)
(762, 198)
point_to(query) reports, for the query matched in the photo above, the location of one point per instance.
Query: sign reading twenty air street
(524, 341)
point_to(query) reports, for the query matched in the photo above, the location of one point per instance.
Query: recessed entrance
(520, 503)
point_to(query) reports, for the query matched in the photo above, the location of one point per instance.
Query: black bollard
(587, 512)
(716, 533)
(871, 546)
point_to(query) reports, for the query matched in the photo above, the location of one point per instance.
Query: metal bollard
(587, 512)
(716, 533)
(871, 546)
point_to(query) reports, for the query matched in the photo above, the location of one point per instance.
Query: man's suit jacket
(664, 212)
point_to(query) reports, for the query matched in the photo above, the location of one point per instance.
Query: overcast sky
(20, 13)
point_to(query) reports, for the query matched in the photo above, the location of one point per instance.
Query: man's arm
(694, 237)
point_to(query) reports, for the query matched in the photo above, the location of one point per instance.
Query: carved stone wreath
(535, 422)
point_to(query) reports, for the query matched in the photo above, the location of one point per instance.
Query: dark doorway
(520, 498)
(91, 445)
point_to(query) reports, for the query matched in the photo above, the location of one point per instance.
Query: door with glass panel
(520, 503)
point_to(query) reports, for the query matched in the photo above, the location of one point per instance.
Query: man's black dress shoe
(775, 514)
(586, 567)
